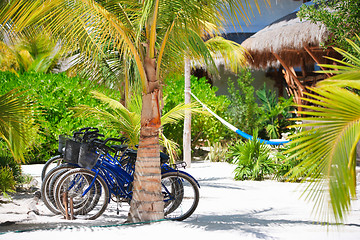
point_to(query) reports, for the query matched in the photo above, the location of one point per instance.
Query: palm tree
(152, 35)
(328, 148)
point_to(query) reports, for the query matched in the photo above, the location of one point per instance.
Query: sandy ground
(227, 209)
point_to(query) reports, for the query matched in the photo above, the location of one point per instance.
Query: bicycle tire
(181, 195)
(58, 160)
(87, 205)
(47, 189)
(82, 206)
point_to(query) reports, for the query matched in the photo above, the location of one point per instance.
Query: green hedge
(53, 95)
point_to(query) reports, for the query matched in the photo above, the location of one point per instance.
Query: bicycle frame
(117, 179)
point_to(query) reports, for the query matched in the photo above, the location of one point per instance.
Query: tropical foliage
(341, 18)
(8, 61)
(126, 120)
(7, 181)
(152, 35)
(275, 113)
(285, 163)
(243, 111)
(218, 152)
(54, 94)
(328, 146)
(252, 158)
(17, 127)
(33, 50)
(17, 130)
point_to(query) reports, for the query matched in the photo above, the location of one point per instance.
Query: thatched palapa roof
(287, 38)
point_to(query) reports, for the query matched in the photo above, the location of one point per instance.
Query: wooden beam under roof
(315, 59)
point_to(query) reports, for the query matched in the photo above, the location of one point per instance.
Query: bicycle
(70, 148)
(108, 180)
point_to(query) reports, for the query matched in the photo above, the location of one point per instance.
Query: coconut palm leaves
(16, 124)
(106, 34)
(348, 70)
(233, 54)
(124, 120)
(328, 147)
(34, 50)
(127, 120)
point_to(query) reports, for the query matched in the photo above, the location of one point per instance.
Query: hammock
(238, 131)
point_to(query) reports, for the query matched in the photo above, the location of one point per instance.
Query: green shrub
(288, 168)
(340, 17)
(53, 95)
(7, 161)
(275, 113)
(203, 127)
(284, 166)
(218, 152)
(252, 158)
(243, 111)
(7, 181)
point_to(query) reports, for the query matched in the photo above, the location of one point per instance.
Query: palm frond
(172, 148)
(349, 69)
(17, 126)
(234, 54)
(178, 112)
(127, 120)
(328, 148)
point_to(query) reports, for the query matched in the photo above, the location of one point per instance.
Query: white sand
(227, 209)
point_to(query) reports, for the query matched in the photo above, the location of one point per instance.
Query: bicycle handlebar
(92, 135)
(86, 133)
(122, 140)
(101, 144)
(86, 129)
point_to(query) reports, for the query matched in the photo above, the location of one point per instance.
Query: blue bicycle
(84, 193)
(69, 148)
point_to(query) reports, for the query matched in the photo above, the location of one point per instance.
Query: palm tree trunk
(147, 201)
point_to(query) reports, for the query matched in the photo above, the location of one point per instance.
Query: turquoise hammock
(238, 131)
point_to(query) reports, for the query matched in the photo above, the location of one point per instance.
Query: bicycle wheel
(81, 205)
(78, 192)
(47, 186)
(181, 195)
(50, 164)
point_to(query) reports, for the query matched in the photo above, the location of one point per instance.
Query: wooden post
(302, 88)
(71, 209)
(187, 120)
(303, 68)
(65, 202)
(290, 75)
(315, 59)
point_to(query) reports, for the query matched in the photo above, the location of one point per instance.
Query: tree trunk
(187, 120)
(147, 201)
